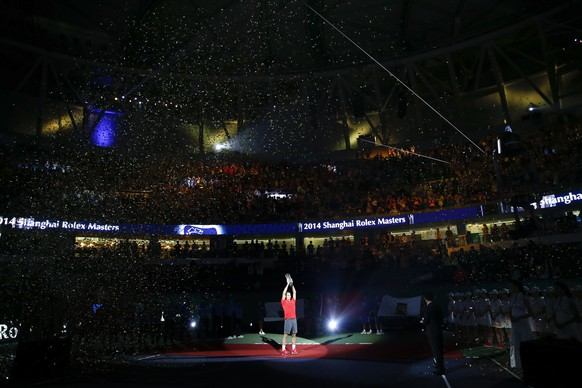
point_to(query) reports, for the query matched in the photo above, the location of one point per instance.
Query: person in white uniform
(520, 314)
(566, 313)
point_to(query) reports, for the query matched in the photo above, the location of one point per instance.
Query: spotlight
(532, 107)
(332, 325)
(533, 112)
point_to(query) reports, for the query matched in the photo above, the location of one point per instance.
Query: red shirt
(288, 308)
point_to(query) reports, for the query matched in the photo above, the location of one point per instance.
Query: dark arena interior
(166, 163)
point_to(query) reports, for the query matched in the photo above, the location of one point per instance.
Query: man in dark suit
(432, 319)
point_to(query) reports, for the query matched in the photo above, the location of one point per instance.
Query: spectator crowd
(104, 185)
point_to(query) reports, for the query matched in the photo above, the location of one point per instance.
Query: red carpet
(342, 351)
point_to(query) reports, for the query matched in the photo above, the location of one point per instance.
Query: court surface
(394, 359)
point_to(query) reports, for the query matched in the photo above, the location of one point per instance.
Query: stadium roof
(239, 57)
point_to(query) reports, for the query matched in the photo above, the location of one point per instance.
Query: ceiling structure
(321, 70)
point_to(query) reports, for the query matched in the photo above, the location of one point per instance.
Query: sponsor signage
(8, 332)
(29, 223)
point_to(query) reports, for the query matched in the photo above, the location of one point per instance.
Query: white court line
(141, 358)
(446, 381)
(448, 384)
(506, 369)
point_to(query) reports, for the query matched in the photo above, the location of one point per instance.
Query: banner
(399, 307)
